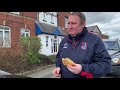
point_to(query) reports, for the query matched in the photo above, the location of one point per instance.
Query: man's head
(76, 23)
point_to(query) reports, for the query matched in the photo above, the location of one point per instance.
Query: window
(44, 16)
(55, 36)
(47, 41)
(54, 45)
(25, 32)
(5, 36)
(52, 18)
(15, 13)
(66, 22)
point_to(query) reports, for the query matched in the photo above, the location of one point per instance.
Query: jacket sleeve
(58, 59)
(101, 63)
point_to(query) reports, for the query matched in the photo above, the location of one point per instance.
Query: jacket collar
(78, 36)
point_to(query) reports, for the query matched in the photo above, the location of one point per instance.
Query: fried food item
(67, 61)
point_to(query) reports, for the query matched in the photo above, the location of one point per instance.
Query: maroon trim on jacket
(86, 74)
(74, 44)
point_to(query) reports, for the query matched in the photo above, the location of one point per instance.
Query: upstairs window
(25, 32)
(44, 17)
(52, 18)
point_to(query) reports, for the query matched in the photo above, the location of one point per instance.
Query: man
(85, 49)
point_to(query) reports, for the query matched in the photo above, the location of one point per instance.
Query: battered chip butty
(67, 61)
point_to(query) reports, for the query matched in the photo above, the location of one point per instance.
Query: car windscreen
(111, 45)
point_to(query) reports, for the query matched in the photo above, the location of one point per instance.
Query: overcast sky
(108, 22)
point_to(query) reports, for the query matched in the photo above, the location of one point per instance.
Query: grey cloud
(101, 17)
(108, 22)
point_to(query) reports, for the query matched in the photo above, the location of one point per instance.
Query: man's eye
(73, 23)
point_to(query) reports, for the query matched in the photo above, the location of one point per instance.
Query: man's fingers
(58, 71)
(71, 67)
(57, 75)
(54, 71)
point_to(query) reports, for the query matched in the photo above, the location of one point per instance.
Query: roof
(104, 35)
(62, 31)
(109, 39)
(48, 29)
(91, 28)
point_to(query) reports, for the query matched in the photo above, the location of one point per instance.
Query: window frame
(3, 36)
(25, 33)
(44, 17)
(47, 37)
(52, 18)
(54, 45)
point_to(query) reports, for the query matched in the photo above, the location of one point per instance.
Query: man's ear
(84, 24)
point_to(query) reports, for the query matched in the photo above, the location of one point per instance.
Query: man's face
(74, 25)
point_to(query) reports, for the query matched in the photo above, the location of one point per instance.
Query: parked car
(113, 47)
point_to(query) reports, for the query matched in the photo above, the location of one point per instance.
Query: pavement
(44, 72)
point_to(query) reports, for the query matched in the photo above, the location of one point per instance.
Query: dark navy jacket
(89, 51)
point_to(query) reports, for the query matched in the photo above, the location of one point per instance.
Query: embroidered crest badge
(84, 45)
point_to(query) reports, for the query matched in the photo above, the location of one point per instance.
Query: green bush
(47, 59)
(44, 59)
(52, 58)
(29, 49)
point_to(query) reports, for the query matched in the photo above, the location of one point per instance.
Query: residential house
(47, 29)
(14, 25)
(94, 29)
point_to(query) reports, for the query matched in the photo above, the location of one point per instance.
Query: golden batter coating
(67, 61)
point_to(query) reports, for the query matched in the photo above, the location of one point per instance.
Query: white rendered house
(48, 32)
(48, 18)
(50, 36)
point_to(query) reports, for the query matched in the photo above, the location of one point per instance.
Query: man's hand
(76, 69)
(56, 72)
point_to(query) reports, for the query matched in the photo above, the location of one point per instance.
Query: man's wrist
(82, 68)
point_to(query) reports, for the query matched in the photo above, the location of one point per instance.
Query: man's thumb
(58, 70)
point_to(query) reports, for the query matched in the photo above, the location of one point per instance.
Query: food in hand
(67, 61)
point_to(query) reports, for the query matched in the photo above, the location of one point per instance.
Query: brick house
(63, 20)
(14, 25)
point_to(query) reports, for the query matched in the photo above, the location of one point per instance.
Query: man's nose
(70, 25)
